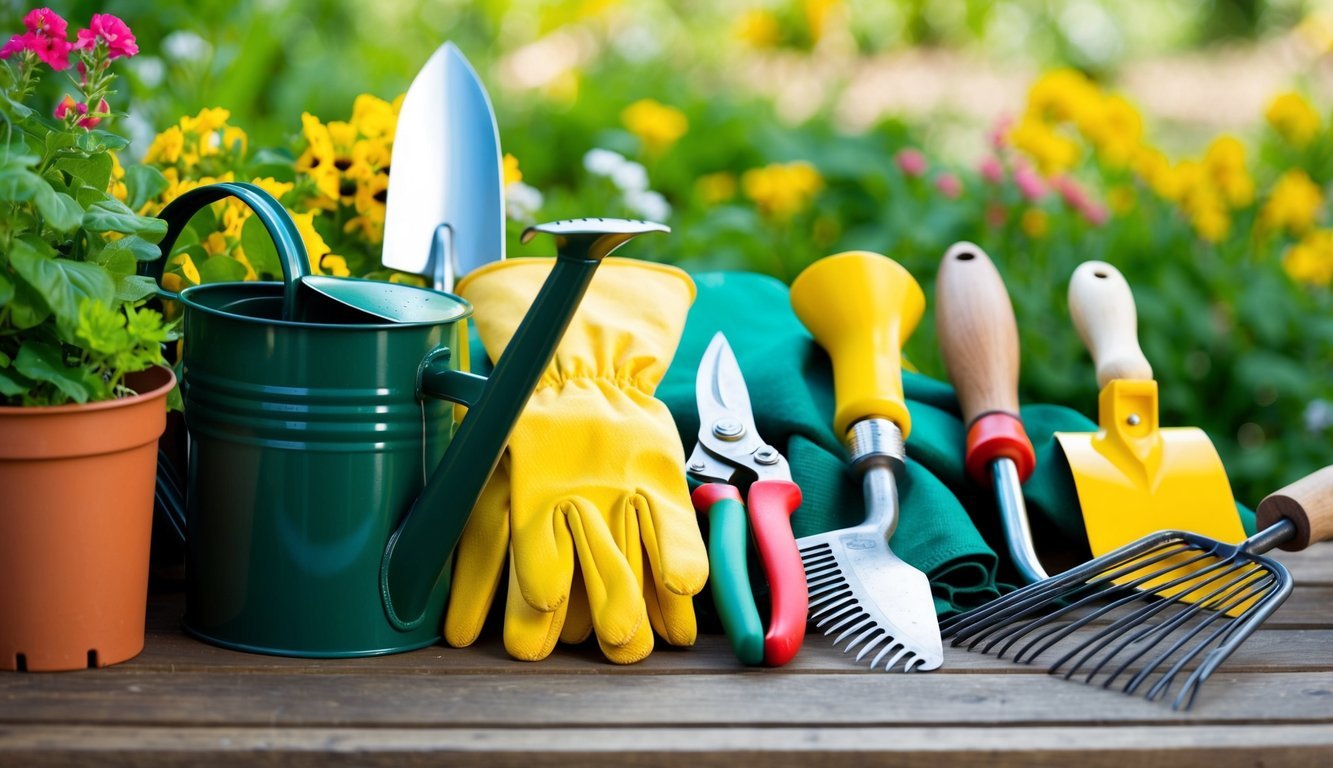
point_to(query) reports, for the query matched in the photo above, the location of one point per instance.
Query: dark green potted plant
(82, 382)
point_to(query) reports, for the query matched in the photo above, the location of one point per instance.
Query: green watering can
(316, 408)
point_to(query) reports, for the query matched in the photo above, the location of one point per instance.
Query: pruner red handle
(771, 504)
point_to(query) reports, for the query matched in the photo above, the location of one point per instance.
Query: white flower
(648, 204)
(522, 202)
(602, 162)
(185, 46)
(630, 177)
(1318, 416)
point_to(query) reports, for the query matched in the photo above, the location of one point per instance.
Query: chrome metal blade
(445, 210)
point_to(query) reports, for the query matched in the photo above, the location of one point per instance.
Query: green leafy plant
(71, 326)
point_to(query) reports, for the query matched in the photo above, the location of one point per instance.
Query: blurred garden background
(1188, 142)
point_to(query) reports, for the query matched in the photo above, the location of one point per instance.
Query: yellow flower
(1224, 163)
(335, 265)
(1211, 222)
(116, 186)
(715, 188)
(782, 189)
(234, 140)
(817, 14)
(1053, 153)
(512, 175)
(187, 268)
(1035, 223)
(315, 246)
(1114, 127)
(758, 27)
(1293, 203)
(371, 195)
(657, 125)
(1293, 118)
(1062, 95)
(1121, 199)
(1311, 260)
(273, 186)
(166, 147)
(207, 121)
(373, 117)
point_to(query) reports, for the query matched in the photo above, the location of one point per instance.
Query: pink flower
(911, 162)
(999, 131)
(44, 21)
(116, 33)
(991, 170)
(1029, 183)
(45, 38)
(1095, 214)
(1077, 198)
(66, 104)
(949, 185)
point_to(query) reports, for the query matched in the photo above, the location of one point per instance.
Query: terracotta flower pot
(76, 511)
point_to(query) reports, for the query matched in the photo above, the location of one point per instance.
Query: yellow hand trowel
(1134, 478)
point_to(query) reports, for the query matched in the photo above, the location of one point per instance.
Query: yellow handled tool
(861, 307)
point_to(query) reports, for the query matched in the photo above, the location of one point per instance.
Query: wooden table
(185, 703)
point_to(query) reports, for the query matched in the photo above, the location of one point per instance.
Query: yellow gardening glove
(594, 477)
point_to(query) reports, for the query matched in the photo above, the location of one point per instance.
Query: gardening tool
(979, 339)
(860, 307)
(1134, 478)
(315, 526)
(1117, 588)
(730, 452)
(444, 214)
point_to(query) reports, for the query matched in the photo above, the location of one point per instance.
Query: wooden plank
(1312, 567)
(740, 699)
(797, 747)
(1267, 650)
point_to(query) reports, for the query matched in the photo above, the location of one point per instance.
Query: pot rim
(8, 411)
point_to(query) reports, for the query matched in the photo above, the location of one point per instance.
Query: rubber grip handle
(979, 339)
(728, 571)
(861, 307)
(771, 504)
(1102, 306)
(1307, 503)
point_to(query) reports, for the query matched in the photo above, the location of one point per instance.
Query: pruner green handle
(729, 574)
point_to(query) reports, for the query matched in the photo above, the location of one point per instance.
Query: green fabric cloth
(948, 525)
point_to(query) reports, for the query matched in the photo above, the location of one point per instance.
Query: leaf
(221, 269)
(98, 141)
(93, 171)
(43, 362)
(59, 210)
(111, 215)
(259, 249)
(144, 183)
(140, 249)
(61, 283)
(26, 309)
(135, 287)
(18, 185)
(13, 383)
(119, 262)
(6, 290)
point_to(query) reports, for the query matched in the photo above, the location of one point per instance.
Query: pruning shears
(731, 455)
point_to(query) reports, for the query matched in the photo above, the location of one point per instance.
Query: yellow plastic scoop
(1133, 477)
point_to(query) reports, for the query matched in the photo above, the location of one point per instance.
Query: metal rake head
(1170, 603)
(836, 606)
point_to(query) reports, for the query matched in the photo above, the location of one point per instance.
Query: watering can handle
(1102, 306)
(286, 238)
(417, 555)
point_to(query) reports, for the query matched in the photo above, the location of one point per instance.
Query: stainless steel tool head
(729, 441)
(444, 215)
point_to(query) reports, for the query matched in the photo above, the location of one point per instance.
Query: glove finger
(669, 529)
(543, 556)
(637, 649)
(671, 615)
(530, 634)
(578, 621)
(479, 561)
(615, 598)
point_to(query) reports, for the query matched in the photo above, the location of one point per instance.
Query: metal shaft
(877, 452)
(1014, 514)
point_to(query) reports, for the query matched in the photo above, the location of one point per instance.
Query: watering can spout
(418, 553)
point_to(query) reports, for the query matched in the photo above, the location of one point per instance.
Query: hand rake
(1170, 602)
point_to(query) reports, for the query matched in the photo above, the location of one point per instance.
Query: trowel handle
(1307, 503)
(979, 339)
(861, 307)
(1102, 306)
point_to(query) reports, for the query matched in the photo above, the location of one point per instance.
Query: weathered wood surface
(186, 703)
